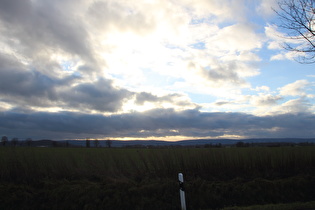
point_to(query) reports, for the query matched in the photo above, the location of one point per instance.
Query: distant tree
(87, 142)
(219, 145)
(14, 141)
(109, 143)
(298, 22)
(207, 145)
(29, 142)
(96, 143)
(242, 144)
(4, 140)
(67, 144)
(54, 143)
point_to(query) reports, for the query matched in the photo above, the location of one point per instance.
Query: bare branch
(298, 22)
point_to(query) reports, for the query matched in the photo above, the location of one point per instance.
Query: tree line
(14, 141)
(29, 142)
(96, 143)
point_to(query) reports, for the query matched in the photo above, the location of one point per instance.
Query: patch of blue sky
(278, 73)
(199, 46)
(155, 79)
(195, 21)
(77, 74)
(282, 72)
(207, 68)
(264, 53)
(202, 98)
(117, 76)
(224, 24)
(173, 47)
(212, 20)
(67, 65)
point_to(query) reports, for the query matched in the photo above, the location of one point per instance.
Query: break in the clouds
(149, 69)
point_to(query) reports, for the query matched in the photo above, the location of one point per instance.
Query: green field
(130, 178)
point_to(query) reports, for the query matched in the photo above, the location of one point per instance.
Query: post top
(180, 177)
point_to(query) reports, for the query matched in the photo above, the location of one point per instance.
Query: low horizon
(164, 140)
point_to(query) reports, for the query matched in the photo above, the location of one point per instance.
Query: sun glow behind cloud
(177, 138)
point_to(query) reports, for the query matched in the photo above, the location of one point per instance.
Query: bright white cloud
(275, 37)
(293, 106)
(298, 88)
(235, 38)
(220, 10)
(266, 7)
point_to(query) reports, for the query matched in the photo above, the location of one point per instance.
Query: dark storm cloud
(25, 88)
(100, 95)
(158, 122)
(19, 84)
(42, 26)
(25, 84)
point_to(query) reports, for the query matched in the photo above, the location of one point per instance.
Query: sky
(150, 69)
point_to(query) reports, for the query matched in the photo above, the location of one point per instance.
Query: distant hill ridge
(195, 142)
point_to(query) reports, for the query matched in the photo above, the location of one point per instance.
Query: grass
(281, 206)
(224, 163)
(130, 178)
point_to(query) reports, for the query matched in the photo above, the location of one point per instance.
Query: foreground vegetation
(131, 178)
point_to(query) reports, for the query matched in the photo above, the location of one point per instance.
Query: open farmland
(131, 178)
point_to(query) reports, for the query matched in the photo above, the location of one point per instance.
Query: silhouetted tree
(87, 142)
(298, 22)
(54, 143)
(14, 141)
(239, 144)
(4, 140)
(96, 143)
(242, 144)
(29, 142)
(109, 143)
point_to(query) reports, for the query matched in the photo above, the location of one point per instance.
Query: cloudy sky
(150, 69)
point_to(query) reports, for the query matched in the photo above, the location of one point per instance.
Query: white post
(182, 191)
